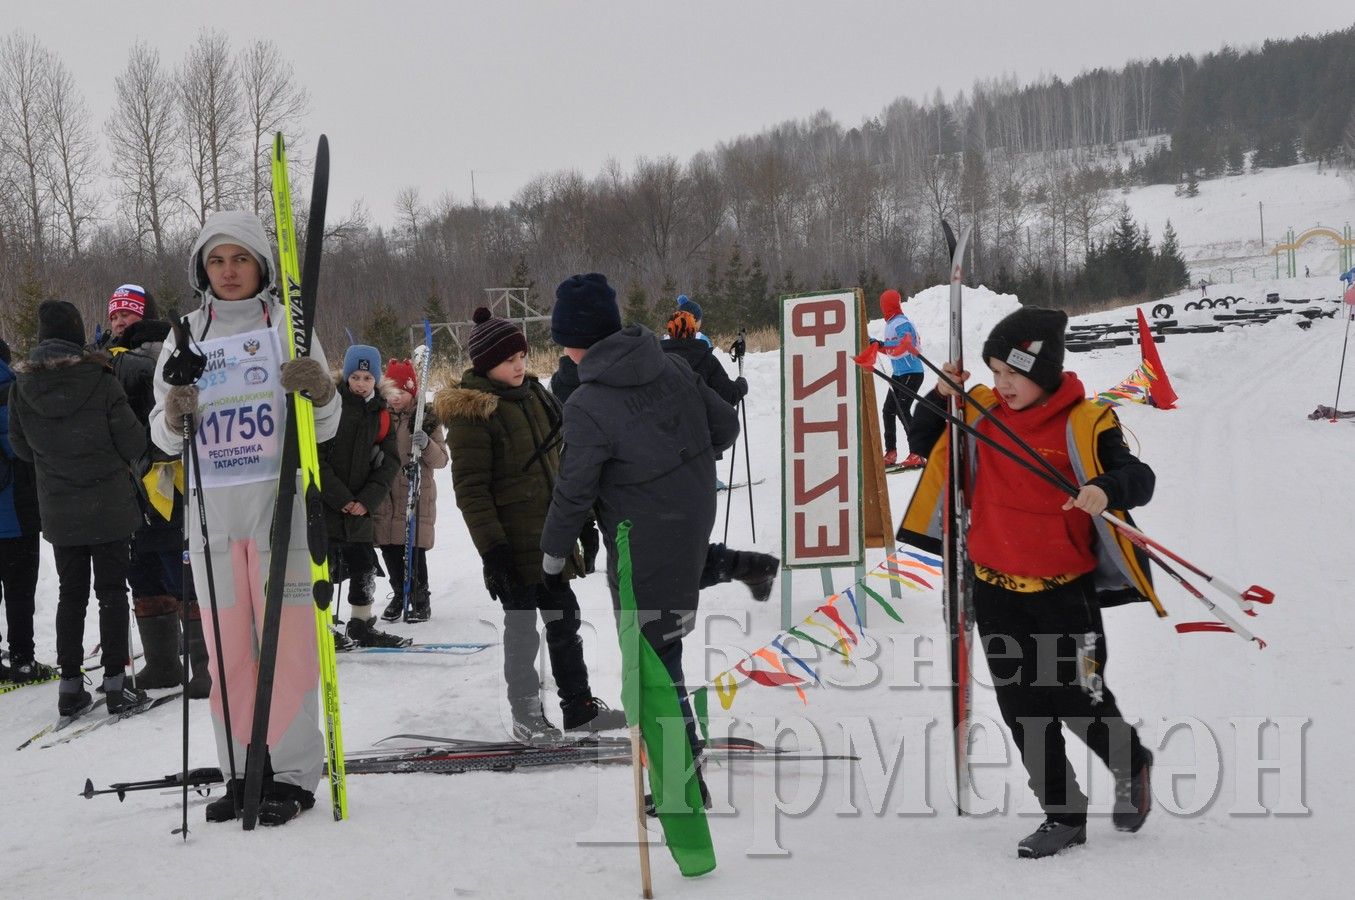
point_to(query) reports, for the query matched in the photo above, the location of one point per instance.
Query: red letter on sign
(822, 547)
(836, 426)
(836, 376)
(814, 320)
(804, 494)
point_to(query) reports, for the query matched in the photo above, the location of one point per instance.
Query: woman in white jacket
(239, 410)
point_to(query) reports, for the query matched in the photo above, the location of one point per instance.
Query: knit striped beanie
(492, 340)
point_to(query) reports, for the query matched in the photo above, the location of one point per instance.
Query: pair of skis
(299, 456)
(423, 357)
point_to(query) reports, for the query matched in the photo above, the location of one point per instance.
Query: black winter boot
(71, 698)
(530, 725)
(394, 609)
(227, 806)
(420, 606)
(200, 684)
(364, 634)
(591, 714)
(757, 570)
(1134, 796)
(160, 641)
(1050, 838)
(282, 802)
(122, 695)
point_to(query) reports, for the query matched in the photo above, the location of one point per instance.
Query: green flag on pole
(650, 698)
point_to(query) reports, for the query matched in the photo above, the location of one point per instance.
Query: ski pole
(1056, 479)
(186, 577)
(743, 409)
(729, 491)
(184, 367)
(1244, 599)
(1340, 375)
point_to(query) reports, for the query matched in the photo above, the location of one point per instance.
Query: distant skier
(1043, 565)
(907, 370)
(239, 409)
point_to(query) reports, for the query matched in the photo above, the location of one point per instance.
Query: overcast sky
(423, 92)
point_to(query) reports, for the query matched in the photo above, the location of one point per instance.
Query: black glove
(501, 572)
(591, 541)
(741, 386)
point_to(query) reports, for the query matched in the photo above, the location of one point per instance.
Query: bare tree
(23, 133)
(273, 101)
(213, 123)
(410, 212)
(143, 132)
(72, 161)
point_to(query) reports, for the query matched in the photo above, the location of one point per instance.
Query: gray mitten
(308, 376)
(420, 440)
(182, 400)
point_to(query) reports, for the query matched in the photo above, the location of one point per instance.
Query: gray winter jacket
(641, 435)
(69, 417)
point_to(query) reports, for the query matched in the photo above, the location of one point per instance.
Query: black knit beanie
(492, 340)
(1030, 340)
(585, 311)
(60, 320)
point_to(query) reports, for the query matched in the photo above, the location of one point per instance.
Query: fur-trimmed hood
(60, 377)
(456, 402)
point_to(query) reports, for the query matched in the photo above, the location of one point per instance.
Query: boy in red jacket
(1044, 564)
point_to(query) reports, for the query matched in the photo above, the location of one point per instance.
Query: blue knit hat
(688, 305)
(362, 358)
(585, 311)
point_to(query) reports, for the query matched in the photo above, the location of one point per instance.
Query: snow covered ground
(1248, 488)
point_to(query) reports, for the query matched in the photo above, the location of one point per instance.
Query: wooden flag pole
(637, 766)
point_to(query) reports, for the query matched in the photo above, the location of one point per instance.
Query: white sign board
(820, 432)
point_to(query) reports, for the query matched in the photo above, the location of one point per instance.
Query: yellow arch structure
(1344, 241)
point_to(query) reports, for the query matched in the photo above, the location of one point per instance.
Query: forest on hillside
(805, 205)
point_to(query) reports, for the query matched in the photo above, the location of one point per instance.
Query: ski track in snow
(1248, 489)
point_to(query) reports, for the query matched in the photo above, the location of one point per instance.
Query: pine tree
(21, 316)
(760, 309)
(1168, 272)
(734, 305)
(444, 348)
(1192, 185)
(384, 332)
(637, 310)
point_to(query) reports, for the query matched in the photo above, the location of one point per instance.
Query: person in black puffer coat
(357, 467)
(70, 418)
(20, 525)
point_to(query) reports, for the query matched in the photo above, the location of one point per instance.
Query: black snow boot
(227, 806)
(591, 714)
(200, 684)
(362, 633)
(160, 641)
(1134, 796)
(282, 802)
(756, 570)
(420, 606)
(121, 695)
(1050, 838)
(394, 609)
(530, 725)
(71, 697)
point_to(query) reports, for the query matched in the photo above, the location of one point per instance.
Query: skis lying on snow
(900, 467)
(453, 648)
(62, 723)
(456, 755)
(145, 706)
(7, 687)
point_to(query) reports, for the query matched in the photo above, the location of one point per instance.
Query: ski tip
(88, 792)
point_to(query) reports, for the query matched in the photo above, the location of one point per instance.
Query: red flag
(1159, 386)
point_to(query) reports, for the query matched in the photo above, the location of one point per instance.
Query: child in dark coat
(503, 432)
(1044, 564)
(19, 530)
(70, 418)
(357, 466)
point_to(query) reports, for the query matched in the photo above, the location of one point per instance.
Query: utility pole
(1260, 211)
